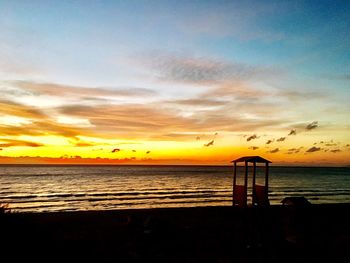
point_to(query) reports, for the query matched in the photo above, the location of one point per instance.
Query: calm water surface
(70, 188)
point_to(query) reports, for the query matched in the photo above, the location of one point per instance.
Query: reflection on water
(68, 188)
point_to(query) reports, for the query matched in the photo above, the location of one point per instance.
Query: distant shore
(199, 234)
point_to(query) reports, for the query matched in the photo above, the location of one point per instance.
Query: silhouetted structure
(297, 201)
(259, 192)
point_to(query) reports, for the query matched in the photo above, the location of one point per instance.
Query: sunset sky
(174, 82)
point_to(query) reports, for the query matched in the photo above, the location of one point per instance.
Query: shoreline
(195, 234)
(179, 165)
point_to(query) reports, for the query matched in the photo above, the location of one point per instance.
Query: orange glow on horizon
(61, 150)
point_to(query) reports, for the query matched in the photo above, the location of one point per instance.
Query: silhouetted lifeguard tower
(259, 192)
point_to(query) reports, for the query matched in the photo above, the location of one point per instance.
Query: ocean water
(70, 188)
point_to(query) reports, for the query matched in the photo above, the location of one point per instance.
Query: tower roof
(251, 159)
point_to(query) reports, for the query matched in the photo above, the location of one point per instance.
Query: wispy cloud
(11, 143)
(131, 120)
(61, 90)
(84, 144)
(239, 92)
(185, 68)
(297, 95)
(198, 102)
(36, 122)
(148, 120)
(16, 109)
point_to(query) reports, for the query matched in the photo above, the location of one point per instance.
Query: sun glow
(8, 120)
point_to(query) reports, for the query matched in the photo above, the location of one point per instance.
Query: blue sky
(307, 37)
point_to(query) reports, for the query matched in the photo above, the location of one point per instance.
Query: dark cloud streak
(313, 149)
(292, 132)
(252, 137)
(311, 126)
(211, 143)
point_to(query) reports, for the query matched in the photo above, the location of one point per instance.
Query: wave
(81, 188)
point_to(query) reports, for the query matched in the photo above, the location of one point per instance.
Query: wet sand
(318, 233)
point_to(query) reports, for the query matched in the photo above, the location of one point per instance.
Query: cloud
(296, 96)
(252, 137)
(44, 127)
(184, 68)
(132, 120)
(12, 143)
(198, 102)
(99, 149)
(239, 92)
(292, 132)
(129, 118)
(33, 121)
(274, 150)
(269, 141)
(330, 143)
(335, 151)
(313, 149)
(15, 109)
(281, 139)
(253, 148)
(211, 143)
(294, 150)
(84, 144)
(178, 136)
(146, 120)
(312, 125)
(139, 120)
(61, 90)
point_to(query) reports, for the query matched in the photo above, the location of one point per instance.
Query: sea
(48, 188)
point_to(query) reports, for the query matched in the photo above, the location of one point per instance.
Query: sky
(174, 82)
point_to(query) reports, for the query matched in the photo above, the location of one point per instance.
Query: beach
(314, 233)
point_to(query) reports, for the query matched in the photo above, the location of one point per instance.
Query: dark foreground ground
(318, 233)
